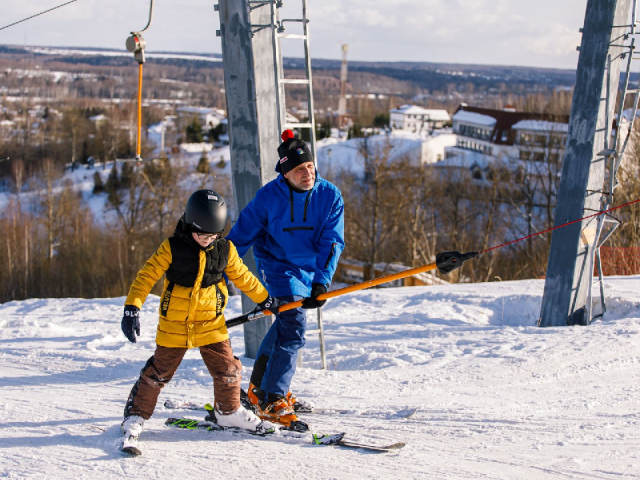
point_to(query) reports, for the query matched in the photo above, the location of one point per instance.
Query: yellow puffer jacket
(193, 316)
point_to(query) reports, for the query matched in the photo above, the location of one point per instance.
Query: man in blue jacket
(295, 224)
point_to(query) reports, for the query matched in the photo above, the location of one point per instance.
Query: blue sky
(542, 33)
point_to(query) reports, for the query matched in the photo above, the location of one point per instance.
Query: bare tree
(375, 203)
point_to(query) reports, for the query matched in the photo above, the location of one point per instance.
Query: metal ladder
(278, 28)
(612, 156)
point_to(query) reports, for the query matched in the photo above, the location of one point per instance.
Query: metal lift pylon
(247, 55)
(613, 154)
(590, 165)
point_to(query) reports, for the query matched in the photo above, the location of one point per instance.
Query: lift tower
(248, 57)
(590, 160)
(255, 82)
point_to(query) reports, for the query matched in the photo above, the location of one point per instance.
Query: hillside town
(502, 155)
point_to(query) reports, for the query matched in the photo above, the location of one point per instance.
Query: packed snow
(496, 396)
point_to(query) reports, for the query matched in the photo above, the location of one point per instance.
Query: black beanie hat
(292, 152)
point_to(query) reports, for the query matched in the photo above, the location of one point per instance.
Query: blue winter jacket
(296, 237)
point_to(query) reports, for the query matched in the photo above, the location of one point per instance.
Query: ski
(297, 426)
(178, 405)
(210, 424)
(189, 405)
(341, 442)
(370, 447)
(336, 411)
(207, 424)
(191, 424)
(336, 439)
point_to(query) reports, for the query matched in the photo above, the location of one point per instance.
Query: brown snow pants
(225, 369)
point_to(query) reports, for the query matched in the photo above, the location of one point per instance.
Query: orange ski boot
(255, 395)
(279, 411)
(299, 405)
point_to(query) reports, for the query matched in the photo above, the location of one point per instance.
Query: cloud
(478, 31)
(541, 33)
(556, 40)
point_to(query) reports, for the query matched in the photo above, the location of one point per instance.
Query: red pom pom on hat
(286, 135)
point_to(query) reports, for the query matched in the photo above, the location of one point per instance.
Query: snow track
(497, 397)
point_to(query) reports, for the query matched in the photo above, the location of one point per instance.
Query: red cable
(559, 226)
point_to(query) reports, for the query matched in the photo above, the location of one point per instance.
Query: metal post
(247, 53)
(583, 172)
(323, 355)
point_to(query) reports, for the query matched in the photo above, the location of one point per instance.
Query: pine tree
(203, 164)
(126, 174)
(98, 185)
(113, 181)
(194, 132)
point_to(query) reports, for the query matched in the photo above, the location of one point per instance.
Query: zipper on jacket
(306, 204)
(291, 201)
(331, 254)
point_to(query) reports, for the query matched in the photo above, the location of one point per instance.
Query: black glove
(131, 322)
(312, 301)
(271, 304)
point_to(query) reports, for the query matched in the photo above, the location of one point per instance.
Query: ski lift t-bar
(136, 45)
(445, 262)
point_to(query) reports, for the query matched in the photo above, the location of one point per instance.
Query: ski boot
(132, 426)
(242, 418)
(299, 405)
(279, 411)
(131, 429)
(255, 396)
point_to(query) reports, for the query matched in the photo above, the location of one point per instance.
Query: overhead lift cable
(36, 15)
(445, 262)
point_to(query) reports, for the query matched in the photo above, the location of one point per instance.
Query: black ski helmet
(206, 212)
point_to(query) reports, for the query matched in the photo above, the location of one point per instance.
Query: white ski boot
(132, 425)
(244, 419)
(131, 429)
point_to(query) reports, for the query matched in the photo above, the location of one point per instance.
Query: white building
(195, 148)
(99, 119)
(208, 117)
(432, 148)
(521, 141)
(540, 140)
(475, 131)
(335, 156)
(417, 119)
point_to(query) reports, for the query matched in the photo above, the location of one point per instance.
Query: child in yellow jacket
(193, 299)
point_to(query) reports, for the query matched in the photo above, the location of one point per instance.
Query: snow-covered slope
(497, 397)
